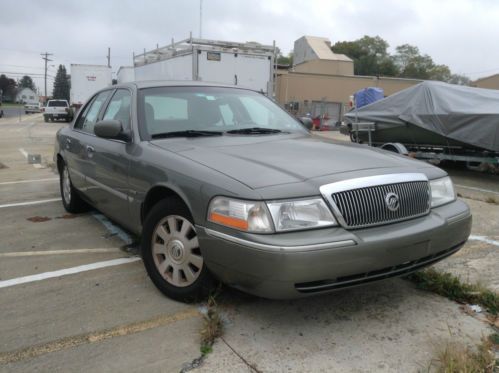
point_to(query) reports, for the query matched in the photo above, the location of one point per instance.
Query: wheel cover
(175, 250)
(66, 186)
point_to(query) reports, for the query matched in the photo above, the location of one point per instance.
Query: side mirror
(306, 122)
(110, 129)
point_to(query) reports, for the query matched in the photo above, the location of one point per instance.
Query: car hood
(260, 161)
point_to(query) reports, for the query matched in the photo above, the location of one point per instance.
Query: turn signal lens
(250, 216)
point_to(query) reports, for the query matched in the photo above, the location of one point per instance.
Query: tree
(369, 54)
(62, 84)
(27, 82)
(459, 79)
(283, 60)
(8, 87)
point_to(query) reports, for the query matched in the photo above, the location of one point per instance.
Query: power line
(30, 67)
(45, 57)
(18, 73)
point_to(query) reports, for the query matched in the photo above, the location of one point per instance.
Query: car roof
(175, 83)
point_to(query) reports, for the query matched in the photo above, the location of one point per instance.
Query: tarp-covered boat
(434, 114)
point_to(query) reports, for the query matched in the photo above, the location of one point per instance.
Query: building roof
(322, 48)
(486, 78)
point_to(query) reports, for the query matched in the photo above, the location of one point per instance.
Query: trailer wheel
(395, 147)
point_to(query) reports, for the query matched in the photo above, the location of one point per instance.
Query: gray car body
(124, 180)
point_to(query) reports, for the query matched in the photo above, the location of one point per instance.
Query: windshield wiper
(254, 131)
(186, 133)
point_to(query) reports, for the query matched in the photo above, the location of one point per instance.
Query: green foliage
(282, 59)
(370, 56)
(450, 286)
(62, 84)
(27, 82)
(8, 87)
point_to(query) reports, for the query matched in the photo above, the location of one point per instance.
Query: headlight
(442, 191)
(250, 216)
(300, 214)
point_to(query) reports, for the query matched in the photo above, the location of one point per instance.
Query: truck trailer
(86, 80)
(249, 65)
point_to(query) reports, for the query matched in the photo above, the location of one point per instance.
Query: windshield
(170, 109)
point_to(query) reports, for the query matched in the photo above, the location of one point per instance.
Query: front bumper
(291, 265)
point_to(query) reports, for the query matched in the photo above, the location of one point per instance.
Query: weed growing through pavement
(450, 286)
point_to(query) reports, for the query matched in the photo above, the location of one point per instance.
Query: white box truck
(250, 65)
(86, 80)
(125, 74)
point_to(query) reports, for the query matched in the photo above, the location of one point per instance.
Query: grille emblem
(392, 201)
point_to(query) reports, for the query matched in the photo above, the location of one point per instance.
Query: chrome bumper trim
(261, 246)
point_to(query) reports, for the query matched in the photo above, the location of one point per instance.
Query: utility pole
(108, 56)
(45, 56)
(200, 19)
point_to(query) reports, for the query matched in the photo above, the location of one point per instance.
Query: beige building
(321, 82)
(490, 82)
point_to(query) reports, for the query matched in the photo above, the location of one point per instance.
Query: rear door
(110, 160)
(81, 165)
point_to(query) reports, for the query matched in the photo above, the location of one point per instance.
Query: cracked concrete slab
(388, 326)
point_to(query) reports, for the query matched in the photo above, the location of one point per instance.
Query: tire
(70, 198)
(46, 119)
(171, 253)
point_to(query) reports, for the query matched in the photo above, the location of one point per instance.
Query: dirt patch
(2, 165)
(39, 219)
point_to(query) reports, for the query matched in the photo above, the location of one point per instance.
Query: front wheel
(171, 252)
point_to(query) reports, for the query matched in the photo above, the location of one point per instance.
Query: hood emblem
(392, 201)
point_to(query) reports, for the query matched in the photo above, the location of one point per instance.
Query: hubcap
(176, 252)
(66, 186)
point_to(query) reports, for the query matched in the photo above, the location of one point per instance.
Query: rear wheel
(70, 198)
(45, 118)
(171, 252)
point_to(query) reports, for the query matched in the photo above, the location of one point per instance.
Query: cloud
(457, 33)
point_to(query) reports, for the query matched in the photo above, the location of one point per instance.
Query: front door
(111, 161)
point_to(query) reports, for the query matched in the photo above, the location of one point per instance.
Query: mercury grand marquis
(221, 184)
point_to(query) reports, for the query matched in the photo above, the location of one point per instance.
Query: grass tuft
(450, 286)
(212, 328)
(458, 358)
(491, 200)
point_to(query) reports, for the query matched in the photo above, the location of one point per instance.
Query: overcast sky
(462, 34)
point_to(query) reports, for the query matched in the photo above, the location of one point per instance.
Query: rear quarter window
(58, 103)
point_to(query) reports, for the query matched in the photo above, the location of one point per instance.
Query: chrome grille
(364, 204)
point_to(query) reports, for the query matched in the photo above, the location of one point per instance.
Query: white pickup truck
(58, 109)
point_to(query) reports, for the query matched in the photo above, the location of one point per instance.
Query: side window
(119, 108)
(86, 121)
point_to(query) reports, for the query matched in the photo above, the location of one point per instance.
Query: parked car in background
(221, 183)
(32, 108)
(56, 110)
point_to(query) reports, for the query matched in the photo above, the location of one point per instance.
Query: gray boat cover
(469, 115)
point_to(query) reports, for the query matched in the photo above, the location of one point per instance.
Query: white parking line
(477, 189)
(29, 181)
(67, 271)
(17, 204)
(23, 152)
(13, 254)
(484, 239)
